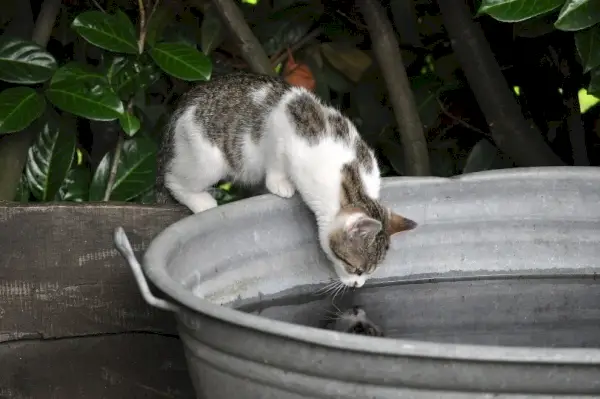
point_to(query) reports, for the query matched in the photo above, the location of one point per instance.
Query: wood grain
(70, 308)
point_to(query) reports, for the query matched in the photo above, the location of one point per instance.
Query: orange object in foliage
(298, 74)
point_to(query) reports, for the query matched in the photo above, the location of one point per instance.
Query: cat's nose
(359, 273)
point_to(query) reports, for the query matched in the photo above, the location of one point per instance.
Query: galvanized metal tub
(493, 295)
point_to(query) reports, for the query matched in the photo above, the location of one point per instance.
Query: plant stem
(14, 147)
(114, 165)
(387, 53)
(250, 47)
(517, 138)
(142, 37)
(296, 46)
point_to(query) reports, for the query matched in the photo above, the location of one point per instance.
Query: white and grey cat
(255, 128)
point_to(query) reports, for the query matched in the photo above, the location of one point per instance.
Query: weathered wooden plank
(127, 366)
(61, 276)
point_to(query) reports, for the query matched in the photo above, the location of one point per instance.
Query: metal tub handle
(124, 247)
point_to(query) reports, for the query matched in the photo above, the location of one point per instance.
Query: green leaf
(212, 31)
(130, 123)
(287, 26)
(74, 71)
(24, 62)
(19, 107)
(76, 186)
(87, 99)
(578, 14)
(517, 10)
(49, 158)
(426, 89)
(136, 171)
(149, 197)
(110, 32)
(594, 87)
(23, 192)
(588, 47)
(128, 76)
(482, 157)
(182, 61)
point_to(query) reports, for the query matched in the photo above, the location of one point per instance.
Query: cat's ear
(362, 227)
(399, 223)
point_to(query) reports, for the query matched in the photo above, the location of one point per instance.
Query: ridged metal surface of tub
(493, 295)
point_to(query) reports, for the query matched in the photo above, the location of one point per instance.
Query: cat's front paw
(280, 185)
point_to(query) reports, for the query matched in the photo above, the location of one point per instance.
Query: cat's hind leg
(193, 171)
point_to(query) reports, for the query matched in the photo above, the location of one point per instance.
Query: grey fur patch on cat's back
(307, 116)
(338, 126)
(364, 156)
(226, 109)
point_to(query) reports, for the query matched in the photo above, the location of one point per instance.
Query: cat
(355, 321)
(255, 128)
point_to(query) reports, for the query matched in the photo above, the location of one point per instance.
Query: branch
(250, 47)
(520, 140)
(298, 45)
(387, 53)
(14, 147)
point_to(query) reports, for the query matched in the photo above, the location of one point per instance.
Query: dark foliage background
(86, 85)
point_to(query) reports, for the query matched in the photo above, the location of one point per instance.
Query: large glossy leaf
(578, 14)
(136, 171)
(74, 71)
(212, 31)
(588, 46)
(87, 99)
(24, 62)
(19, 106)
(128, 75)
(76, 186)
(50, 157)
(182, 61)
(285, 27)
(517, 10)
(110, 32)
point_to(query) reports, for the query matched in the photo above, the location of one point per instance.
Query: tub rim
(155, 259)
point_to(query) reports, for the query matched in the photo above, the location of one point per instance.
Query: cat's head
(359, 239)
(355, 321)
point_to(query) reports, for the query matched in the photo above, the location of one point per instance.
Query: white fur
(282, 158)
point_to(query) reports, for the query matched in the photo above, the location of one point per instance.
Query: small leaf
(23, 192)
(19, 107)
(182, 61)
(130, 123)
(49, 158)
(76, 186)
(349, 60)
(74, 71)
(136, 171)
(128, 76)
(426, 89)
(578, 14)
(287, 26)
(594, 86)
(24, 62)
(212, 31)
(588, 47)
(86, 99)
(517, 10)
(110, 32)
(482, 157)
